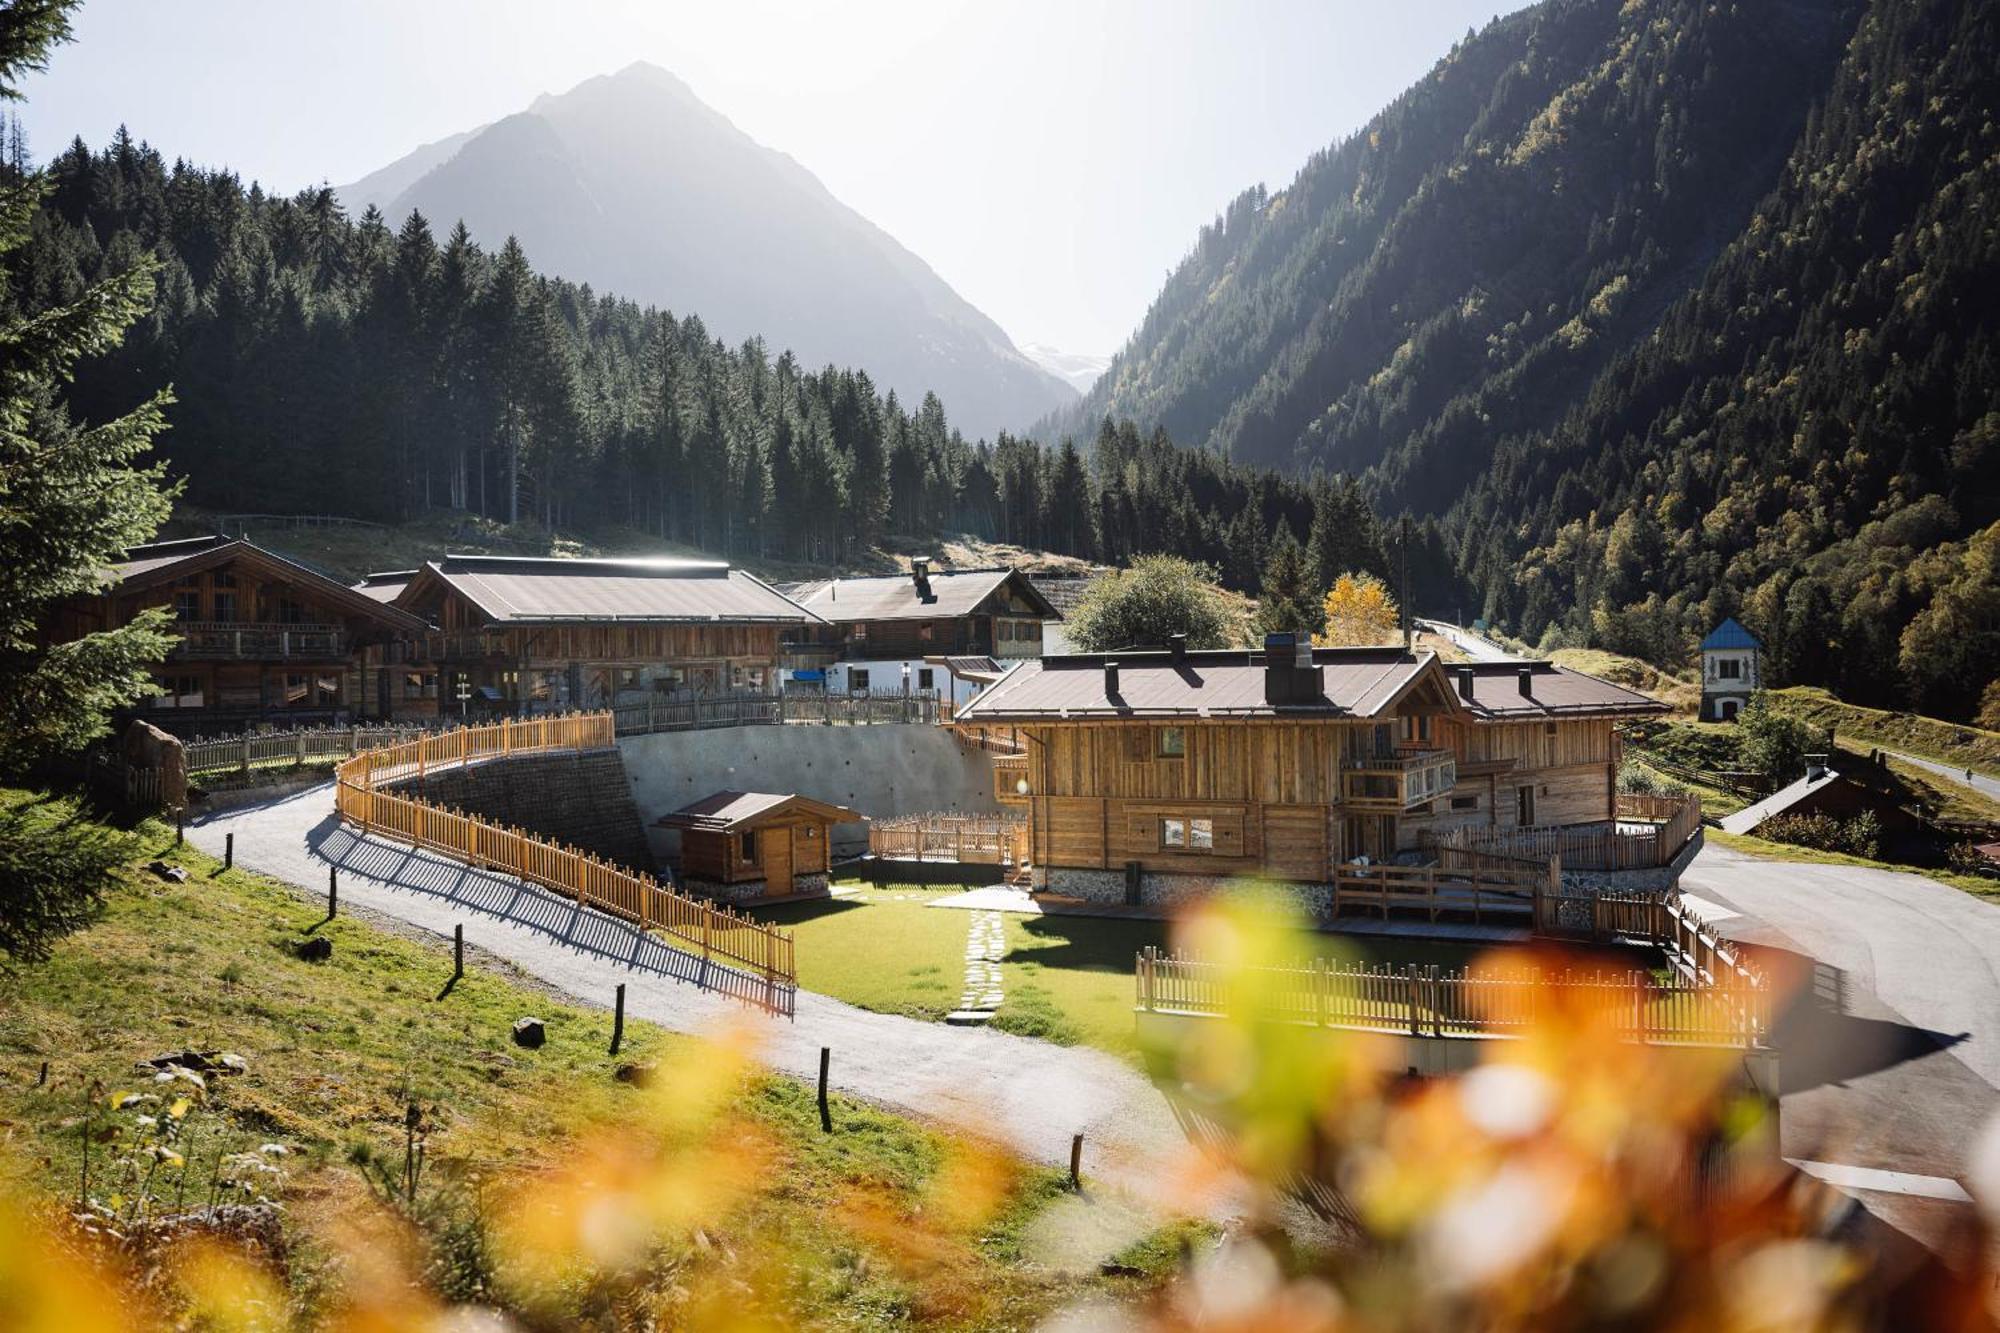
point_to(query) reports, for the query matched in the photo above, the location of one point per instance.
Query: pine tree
(71, 495)
(1290, 604)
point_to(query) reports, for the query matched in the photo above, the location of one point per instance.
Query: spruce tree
(71, 495)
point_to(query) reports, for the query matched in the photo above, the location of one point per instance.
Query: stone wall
(1107, 888)
(878, 770)
(749, 890)
(580, 799)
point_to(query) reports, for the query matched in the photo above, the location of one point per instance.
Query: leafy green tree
(1290, 602)
(1144, 606)
(1771, 743)
(71, 495)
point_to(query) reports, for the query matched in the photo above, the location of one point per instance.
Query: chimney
(1465, 683)
(920, 571)
(1177, 648)
(1815, 767)
(1290, 677)
(1111, 680)
(1526, 675)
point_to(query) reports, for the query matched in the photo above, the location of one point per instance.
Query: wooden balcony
(1394, 783)
(250, 641)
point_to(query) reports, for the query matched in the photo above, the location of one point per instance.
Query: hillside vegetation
(336, 1053)
(1958, 744)
(1672, 308)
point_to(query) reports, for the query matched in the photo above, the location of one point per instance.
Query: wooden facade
(589, 640)
(746, 845)
(259, 637)
(1284, 792)
(898, 619)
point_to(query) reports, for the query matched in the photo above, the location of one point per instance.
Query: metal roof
(1552, 691)
(386, 586)
(953, 592)
(538, 590)
(141, 560)
(158, 561)
(1354, 682)
(724, 811)
(1730, 634)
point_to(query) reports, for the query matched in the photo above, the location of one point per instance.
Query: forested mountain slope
(629, 182)
(1671, 307)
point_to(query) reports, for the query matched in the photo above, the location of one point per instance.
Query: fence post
(246, 752)
(1410, 995)
(825, 1113)
(228, 850)
(618, 1019)
(1076, 1163)
(332, 892)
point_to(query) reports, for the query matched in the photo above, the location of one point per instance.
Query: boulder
(638, 1075)
(529, 1032)
(316, 950)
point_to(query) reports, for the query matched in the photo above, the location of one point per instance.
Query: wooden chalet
(1289, 761)
(742, 845)
(892, 632)
(509, 634)
(261, 637)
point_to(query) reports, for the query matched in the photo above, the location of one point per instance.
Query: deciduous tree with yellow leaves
(1359, 612)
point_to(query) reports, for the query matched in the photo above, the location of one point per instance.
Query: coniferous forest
(329, 364)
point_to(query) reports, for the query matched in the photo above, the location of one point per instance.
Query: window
(1416, 727)
(1524, 805)
(861, 631)
(1173, 833)
(749, 847)
(1188, 835)
(1465, 802)
(628, 677)
(187, 604)
(926, 631)
(225, 605)
(179, 692)
(297, 685)
(1003, 630)
(1172, 742)
(925, 679)
(857, 680)
(326, 691)
(1729, 668)
(413, 684)
(291, 611)
(747, 677)
(223, 578)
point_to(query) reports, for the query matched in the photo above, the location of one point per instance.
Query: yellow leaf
(178, 1109)
(119, 1100)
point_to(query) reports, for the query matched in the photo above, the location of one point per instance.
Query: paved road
(1909, 1074)
(1474, 646)
(1030, 1095)
(1979, 782)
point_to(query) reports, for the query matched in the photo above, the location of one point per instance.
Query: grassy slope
(337, 1050)
(1955, 743)
(1682, 692)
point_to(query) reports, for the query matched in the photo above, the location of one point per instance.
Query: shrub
(1159, 596)
(1964, 858)
(1772, 743)
(55, 866)
(1859, 836)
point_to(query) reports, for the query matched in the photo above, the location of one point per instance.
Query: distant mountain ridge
(632, 184)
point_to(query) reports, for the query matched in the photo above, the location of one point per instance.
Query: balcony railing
(1394, 783)
(258, 641)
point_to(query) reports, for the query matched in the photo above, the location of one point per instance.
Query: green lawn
(1066, 979)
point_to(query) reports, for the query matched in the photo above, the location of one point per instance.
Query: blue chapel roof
(1729, 634)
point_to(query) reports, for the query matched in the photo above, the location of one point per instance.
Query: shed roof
(1730, 634)
(1354, 682)
(1779, 801)
(541, 590)
(953, 592)
(159, 562)
(728, 811)
(387, 585)
(975, 667)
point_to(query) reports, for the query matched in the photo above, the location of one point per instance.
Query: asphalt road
(1904, 1073)
(1477, 648)
(1979, 782)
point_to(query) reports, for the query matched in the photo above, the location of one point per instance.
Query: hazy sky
(1051, 160)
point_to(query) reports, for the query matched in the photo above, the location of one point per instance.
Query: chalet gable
(160, 565)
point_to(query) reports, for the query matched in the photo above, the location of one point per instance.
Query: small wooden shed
(745, 845)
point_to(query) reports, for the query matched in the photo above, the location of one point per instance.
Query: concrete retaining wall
(878, 770)
(580, 799)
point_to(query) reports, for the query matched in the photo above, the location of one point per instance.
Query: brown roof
(1553, 691)
(954, 592)
(539, 590)
(727, 811)
(978, 668)
(1354, 682)
(158, 562)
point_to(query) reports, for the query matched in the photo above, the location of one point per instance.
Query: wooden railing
(968, 839)
(761, 710)
(1617, 844)
(1468, 882)
(256, 639)
(1427, 1002)
(363, 798)
(298, 746)
(1398, 781)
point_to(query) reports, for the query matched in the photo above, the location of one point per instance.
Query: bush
(1772, 743)
(1963, 858)
(1859, 836)
(1159, 596)
(55, 865)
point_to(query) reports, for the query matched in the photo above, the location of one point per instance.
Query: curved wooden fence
(362, 798)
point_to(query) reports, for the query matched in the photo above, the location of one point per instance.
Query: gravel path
(1029, 1095)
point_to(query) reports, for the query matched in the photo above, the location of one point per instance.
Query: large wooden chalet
(1179, 766)
(530, 634)
(261, 637)
(949, 631)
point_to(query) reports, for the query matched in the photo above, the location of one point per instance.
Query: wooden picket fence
(1428, 1002)
(970, 839)
(297, 746)
(362, 797)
